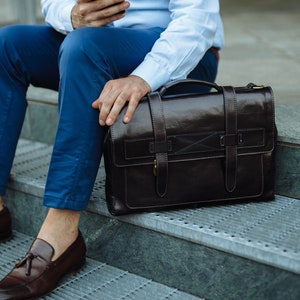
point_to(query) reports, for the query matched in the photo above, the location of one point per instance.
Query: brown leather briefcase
(192, 148)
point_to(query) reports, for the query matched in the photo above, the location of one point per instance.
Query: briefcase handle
(182, 82)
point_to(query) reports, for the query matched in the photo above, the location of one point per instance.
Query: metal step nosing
(207, 238)
(236, 246)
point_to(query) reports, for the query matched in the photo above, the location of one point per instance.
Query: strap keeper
(160, 147)
(231, 140)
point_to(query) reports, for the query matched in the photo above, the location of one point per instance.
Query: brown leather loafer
(5, 224)
(36, 275)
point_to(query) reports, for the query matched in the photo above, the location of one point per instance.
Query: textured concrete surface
(262, 46)
(210, 247)
(94, 281)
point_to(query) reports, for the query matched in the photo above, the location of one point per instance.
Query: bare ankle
(60, 229)
(1, 203)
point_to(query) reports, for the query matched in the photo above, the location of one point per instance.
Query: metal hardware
(231, 140)
(154, 167)
(254, 86)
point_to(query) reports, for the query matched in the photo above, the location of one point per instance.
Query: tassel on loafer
(36, 274)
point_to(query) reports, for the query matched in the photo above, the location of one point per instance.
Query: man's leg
(89, 57)
(28, 54)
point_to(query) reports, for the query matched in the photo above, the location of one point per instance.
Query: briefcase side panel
(115, 188)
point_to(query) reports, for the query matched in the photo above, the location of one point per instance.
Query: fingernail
(109, 121)
(126, 120)
(102, 123)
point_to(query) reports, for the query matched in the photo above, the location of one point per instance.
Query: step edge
(94, 265)
(212, 240)
(236, 246)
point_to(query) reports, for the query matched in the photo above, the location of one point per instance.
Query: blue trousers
(77, 66)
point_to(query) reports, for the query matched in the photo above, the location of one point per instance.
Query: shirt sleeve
(57, 14)
(191, 32)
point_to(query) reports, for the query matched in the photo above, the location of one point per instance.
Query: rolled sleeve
(191, 32)
(57, 14)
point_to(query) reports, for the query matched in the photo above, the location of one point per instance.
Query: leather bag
(188, 147)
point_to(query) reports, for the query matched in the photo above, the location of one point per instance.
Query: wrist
(142, 82)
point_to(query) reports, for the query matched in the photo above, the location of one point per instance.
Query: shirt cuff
(66, 17)
(153, 73)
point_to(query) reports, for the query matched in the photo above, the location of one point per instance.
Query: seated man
(98, 55)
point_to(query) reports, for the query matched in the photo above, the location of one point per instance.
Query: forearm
(182, 45)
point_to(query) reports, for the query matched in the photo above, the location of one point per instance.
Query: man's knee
(11, 47)
(23, 39)
(85, 43)
(74, 47)
(9, 36)
(82, 53)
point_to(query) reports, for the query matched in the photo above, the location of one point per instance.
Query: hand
(114, 96)
(97, 12)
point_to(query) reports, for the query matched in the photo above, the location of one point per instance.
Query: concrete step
(95, 280)
(16, 11)
(242, 251)
(288, 150)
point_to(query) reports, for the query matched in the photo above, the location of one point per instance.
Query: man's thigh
(118, 50)
(33, 51)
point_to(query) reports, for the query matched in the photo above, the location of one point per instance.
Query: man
(99, 55)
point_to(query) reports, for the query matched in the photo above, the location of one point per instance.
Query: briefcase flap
(195, 127)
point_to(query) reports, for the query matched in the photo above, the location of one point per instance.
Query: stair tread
(95, 280)
(288, 123)
(267, 232)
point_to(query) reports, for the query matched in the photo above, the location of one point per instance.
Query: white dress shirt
(191, 28)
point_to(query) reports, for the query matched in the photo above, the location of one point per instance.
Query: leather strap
(160, 142)
(230, 140)
(231, 137)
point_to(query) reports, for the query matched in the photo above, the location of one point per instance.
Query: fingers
(132, 105)
(115, 111)
(98, 13)
(108, 117)
(108, 98)
(115, 94)
(111, 101)
(118, 5)
(111, 106)
(97, 19)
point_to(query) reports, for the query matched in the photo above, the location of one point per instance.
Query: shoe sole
(75, 269)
